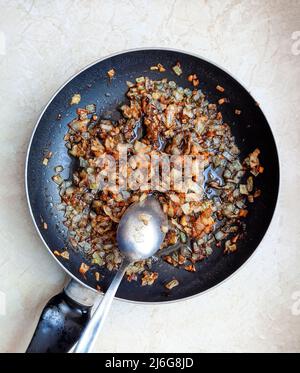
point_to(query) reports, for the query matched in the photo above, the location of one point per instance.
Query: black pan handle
(62, 320)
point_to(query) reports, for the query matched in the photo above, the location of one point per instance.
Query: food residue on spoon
(145, 218)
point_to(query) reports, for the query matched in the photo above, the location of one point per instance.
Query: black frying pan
(251, 130)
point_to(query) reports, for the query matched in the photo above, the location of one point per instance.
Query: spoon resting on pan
(139, 236)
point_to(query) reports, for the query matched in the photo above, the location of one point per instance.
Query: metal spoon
(139, 236)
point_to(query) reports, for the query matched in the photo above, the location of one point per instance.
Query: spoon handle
(89, 335)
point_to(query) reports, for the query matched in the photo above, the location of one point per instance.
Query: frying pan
(67, 313)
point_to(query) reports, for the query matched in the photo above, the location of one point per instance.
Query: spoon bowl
(139, 236)
(140, 233)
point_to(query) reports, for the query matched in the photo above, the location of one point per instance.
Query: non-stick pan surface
(251, 130)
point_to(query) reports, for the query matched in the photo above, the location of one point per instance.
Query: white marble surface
(44, 42)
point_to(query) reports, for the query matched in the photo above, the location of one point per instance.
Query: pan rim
(73, 277)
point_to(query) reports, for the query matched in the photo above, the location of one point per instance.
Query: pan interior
(250, 129)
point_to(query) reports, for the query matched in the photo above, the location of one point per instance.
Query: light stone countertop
(42, 43)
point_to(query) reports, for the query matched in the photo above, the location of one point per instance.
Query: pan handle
(63, 319)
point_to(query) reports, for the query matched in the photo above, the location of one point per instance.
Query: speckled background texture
(42, 44)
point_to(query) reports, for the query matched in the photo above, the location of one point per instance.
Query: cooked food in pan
(160, 120)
